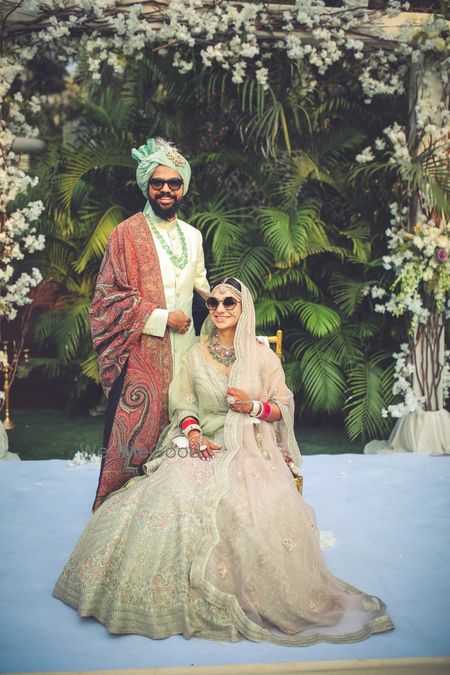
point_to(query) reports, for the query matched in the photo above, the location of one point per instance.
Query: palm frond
(251, 264)
(370, 387)
(291, 280)
(347, 293)
(96, 243)
(319, 320)
(290, 174)
(293, 373)
(358, 233)
(318, 377)
(340, 138)
(52, 367)
(293, 238)
(80, 163)
(233, 159)
(344, 345)
(66, 327)
(221, 225)
(90, 368)
(271, 312)
(263, 123)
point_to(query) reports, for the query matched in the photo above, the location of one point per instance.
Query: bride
(215, 541)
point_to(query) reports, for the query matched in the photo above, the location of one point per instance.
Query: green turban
(154, 153)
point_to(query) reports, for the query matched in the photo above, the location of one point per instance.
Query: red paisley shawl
(129, 287)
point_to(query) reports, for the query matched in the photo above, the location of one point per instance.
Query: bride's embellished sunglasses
(173, 183)
(228, 303)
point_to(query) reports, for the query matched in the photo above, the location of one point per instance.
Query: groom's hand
(178, 321)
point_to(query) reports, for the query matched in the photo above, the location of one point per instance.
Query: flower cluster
(420, 261)
(84, 457)
(420, 291)
(403, 386)
(18, 235)
(238, 38)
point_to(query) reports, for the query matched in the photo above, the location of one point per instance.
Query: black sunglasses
(228, 303)
(173, 183)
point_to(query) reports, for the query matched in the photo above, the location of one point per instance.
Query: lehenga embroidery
(222, 570)
(194, 547)
(259, 441)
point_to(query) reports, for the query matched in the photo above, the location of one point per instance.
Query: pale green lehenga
(225, 549)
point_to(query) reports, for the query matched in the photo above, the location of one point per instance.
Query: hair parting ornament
(223, 287)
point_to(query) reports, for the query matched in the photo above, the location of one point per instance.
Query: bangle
(187, 421)
(265, 412)
(192, 427)
(257, 409)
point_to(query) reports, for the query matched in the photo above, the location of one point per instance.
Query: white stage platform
(390, 515)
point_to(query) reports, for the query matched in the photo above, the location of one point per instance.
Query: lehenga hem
(123, 624)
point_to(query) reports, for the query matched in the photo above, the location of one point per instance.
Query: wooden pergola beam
(380, 30)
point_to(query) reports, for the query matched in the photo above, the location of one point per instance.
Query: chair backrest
(277, 340)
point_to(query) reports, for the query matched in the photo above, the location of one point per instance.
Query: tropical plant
(273, 197)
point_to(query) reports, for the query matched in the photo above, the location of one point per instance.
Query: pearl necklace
(220, 353)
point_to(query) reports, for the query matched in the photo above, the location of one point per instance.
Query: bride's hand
(202, 447)
(241, 403)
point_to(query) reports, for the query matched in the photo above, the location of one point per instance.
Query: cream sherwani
(179, 284)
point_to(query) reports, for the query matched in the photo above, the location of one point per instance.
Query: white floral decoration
(420, 261)
(82, 457)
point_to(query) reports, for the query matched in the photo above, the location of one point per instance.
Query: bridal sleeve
(183, 401)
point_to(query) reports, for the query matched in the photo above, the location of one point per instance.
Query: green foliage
(370, 383)
(95, 246)
(280, 203)
(319, 320)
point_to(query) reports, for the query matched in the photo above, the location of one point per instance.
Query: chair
(277, 340)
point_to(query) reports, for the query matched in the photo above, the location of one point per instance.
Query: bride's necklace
(220, 353)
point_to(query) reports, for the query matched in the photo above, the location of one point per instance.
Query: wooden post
(429, 429)
(7, 422)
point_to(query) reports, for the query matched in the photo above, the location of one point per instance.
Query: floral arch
(385, 51)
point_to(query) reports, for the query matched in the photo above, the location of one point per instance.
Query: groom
(141, 314)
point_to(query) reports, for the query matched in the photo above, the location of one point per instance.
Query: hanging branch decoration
(418, 238)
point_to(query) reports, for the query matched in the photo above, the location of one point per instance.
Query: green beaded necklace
(179, 261)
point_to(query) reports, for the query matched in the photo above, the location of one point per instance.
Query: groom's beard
(167, 211)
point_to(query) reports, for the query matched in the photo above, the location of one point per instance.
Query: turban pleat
(153, 154)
